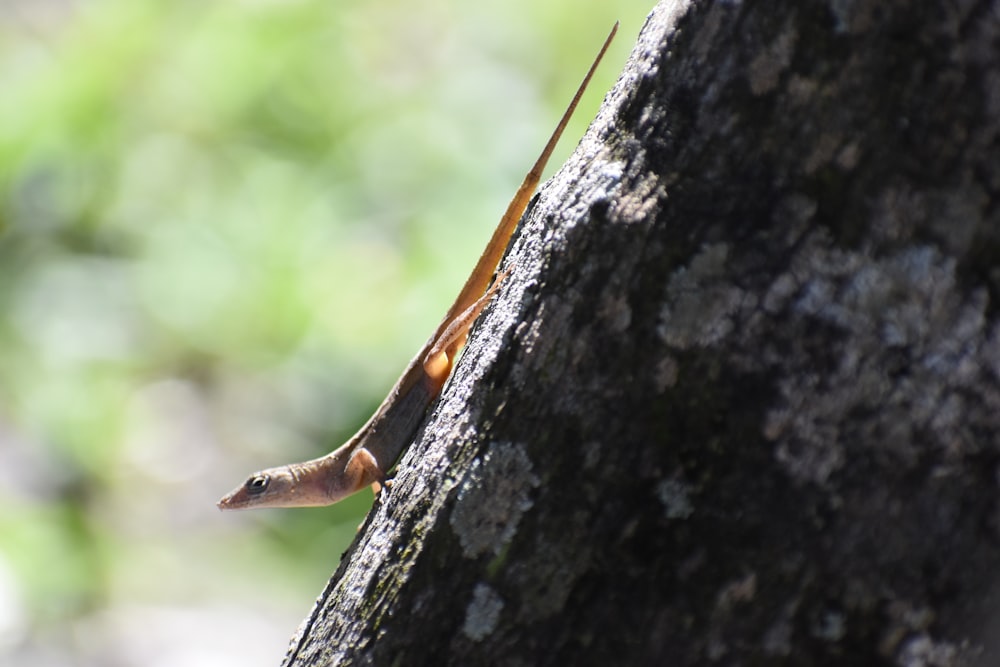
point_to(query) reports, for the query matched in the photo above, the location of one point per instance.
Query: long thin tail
(480, 276)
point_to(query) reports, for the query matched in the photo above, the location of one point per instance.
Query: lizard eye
(257, 483)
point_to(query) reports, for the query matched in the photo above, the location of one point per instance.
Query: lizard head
(322, 481)
(286, 486)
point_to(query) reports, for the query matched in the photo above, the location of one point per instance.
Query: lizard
(367, 456)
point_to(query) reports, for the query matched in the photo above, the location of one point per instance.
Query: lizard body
(366, 458)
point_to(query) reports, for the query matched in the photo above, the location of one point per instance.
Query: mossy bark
(739, 402)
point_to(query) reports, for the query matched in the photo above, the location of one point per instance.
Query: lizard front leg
(441, 357)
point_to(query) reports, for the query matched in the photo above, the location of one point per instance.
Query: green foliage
(224, 227)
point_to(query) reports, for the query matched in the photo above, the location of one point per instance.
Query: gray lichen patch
(615, 311)
(492, 499)
(665, 375)
(778, 638)
(701, 303)
(766, 68)
(482, 613)
(734, 596)
(921, 650)
(951, 214)
(912, 346)
(675, 495)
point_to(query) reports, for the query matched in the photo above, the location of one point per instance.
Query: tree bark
(739, 402)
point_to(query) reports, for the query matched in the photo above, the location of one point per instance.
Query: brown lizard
(366, 458)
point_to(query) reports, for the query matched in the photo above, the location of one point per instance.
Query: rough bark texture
(739, 402)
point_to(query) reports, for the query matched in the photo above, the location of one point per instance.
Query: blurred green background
(225, 227)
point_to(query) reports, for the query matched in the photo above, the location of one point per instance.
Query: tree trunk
(739, 401)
